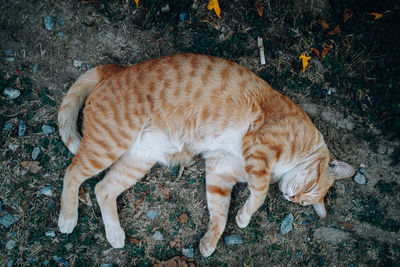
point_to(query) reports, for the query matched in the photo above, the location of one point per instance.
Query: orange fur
(172, 108)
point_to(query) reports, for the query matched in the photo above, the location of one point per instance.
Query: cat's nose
(292, 198)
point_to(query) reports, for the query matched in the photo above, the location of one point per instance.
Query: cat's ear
(339, 170)
(320, 209)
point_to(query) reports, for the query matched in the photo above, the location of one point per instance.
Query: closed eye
(311, 188)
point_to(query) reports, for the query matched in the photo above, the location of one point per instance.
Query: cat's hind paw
(205, 248)
(67, 225)
(115, 236)
(242, 220)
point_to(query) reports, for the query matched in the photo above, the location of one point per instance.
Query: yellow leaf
(376, 15)
(304, 61)
(137, 3)
(213, 4)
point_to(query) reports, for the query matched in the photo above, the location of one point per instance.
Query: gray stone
(360, 179)
(10, 59)
(106, 265)
(10, 263)
(361, 170)
(1, 205)
(21, 128)
(50, 233)
(165, 8)
(362, 165)
(46, 191)
(48, 22)
(7, 127)
(13, 147)
(60, 20)
(331, 235)
(47, 129)
(233, 239)
(46, 262)
(11, 244)
(188, 252)
(35, 68)
(35, 152)
(68, 246)
(152, 214)
(157, 236)
(12, 93)
(182, 16)
(78, 63)
(8, 52)
(60, 34)
(299, 254)
(7, 220)
(287, 224)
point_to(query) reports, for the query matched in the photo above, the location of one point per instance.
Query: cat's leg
(219, 187)
(86, 163)
(123, 174)
(258, 183)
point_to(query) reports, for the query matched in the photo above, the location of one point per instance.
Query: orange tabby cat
(171, 108)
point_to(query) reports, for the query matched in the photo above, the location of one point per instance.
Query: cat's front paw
(116, 236)
(242, 220)
(67, 225)
(205, 247)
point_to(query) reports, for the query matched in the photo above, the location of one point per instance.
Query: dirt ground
(363, 222)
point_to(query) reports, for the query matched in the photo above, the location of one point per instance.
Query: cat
(171, 108)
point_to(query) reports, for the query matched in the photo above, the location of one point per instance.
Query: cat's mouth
(290, 198)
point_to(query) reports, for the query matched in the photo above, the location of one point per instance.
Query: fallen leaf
(183, 218)
(177, 261)
(324, 24)
(137, 3)
(84, 196)
(135, 241)
(139, 201)
(32, 166)
(326, 48)
(176, 243)
(213, 4)
(304, 61)
(316, 52)
(165, 192)
(347, 225)
(260, 8)
(18, 84)
(376, 15)
(347, 15)
(335, 31)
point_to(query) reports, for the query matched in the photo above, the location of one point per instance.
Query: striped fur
(172, 108)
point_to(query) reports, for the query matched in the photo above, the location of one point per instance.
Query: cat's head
(308, 182)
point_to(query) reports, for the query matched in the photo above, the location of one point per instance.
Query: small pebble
(50, 233)
(46, 191)
(362, 165)
(35, 67)
(165, 8)
(286, 225)
(48, 22)
(158, 236)
(7, 126)
(188, 252)
(21, 128)
(1, 205)
(60, 34)
(8, 52)
(10, 263)
(360, 179)
(11, 244)
(35, 152)
(106, 265)
(7, 220)
(13, 147)
(361, 170)
(10, 59)
(78, 63)
(46, 262)
(60, 20)
(68, 246)
(340, 188)
(12, 93)
(89, 66)
(47, 129)
(152, 214)
(233, 240)
(182, 16)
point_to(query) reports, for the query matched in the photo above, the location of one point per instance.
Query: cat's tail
(74, 100)
(70, 106)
